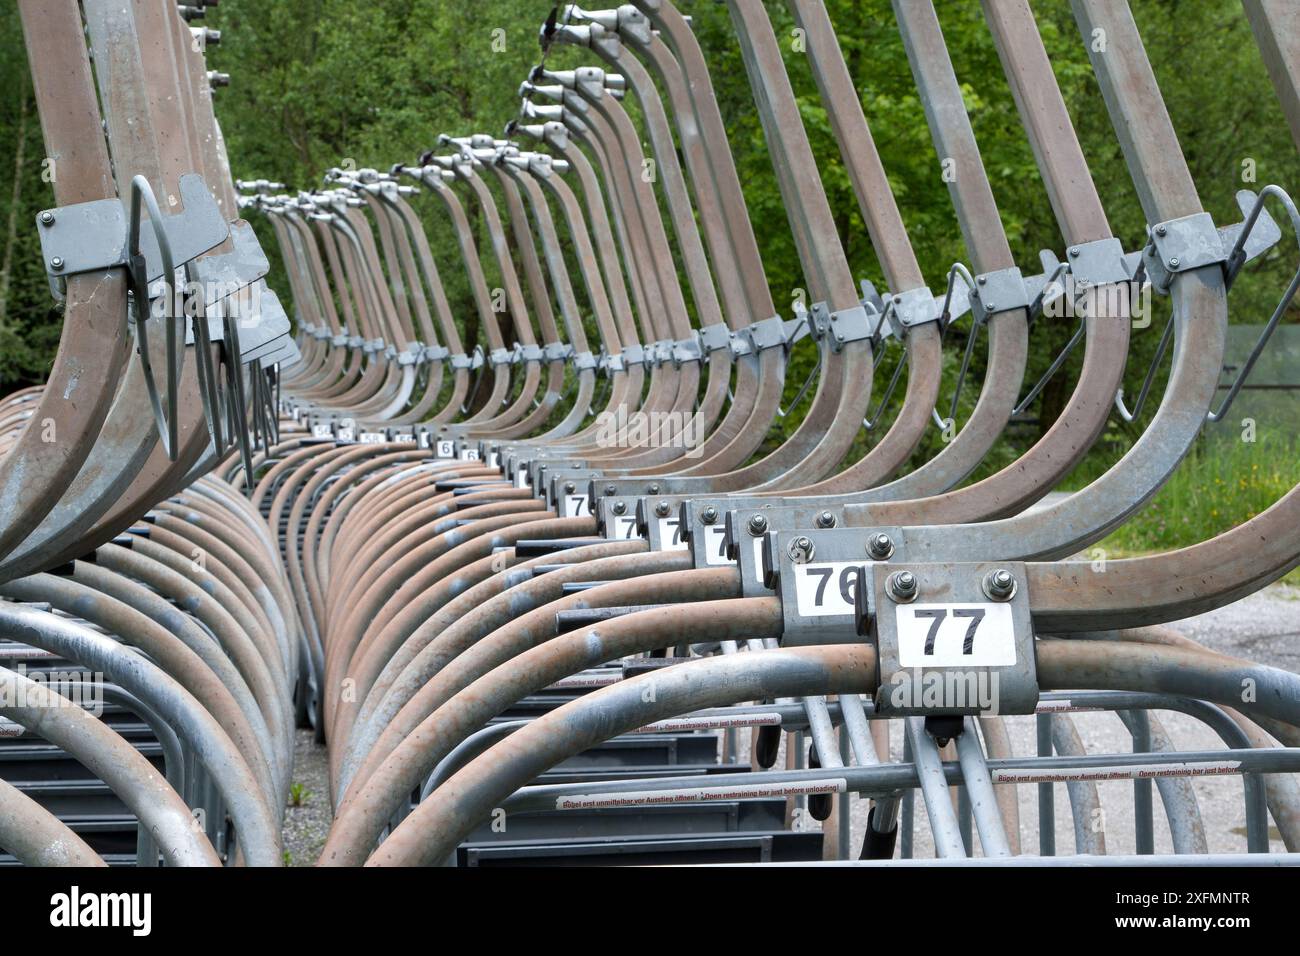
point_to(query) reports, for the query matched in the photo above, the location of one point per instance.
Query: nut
(902, 587)
(880, 546)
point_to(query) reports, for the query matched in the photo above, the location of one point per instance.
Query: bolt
(1000, 585)
(619, 507)
(47, 218)
(902, 587)
(654, 489)
(983, 280)
(609, 489)
(662, 509)
(879, 546)
(56, 263)
(801, 550)
(1161, 230)
(570, 487)
(1074, 252)
(825, 520)
(991, 307)
(709, 515)
(757, 525)
(1173, 263)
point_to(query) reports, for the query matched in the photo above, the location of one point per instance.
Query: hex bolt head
(618, 507)
(662, 509)
(570, 487)
(1074, 252)
(1000, 584)
(1161, 230)
(757, 525)
(56, 263)
(902, 587)
(825, 520)
(47, 218)
(609, 489)
(1173, 263)
(801, 550)
(709, 515)
(654, 489)
(983, 280)
(879, 546)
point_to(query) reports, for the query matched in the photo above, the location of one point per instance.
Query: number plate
(953, 651)
(469, 454)
(670, 535)
(956, 635)
(576, 506)
(445, 448)
(623, 528)
(373, 438)
(826, 588)
(715, 540)
(321, 431)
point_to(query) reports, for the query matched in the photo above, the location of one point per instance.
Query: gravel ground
(1263, 627)
(307, 822)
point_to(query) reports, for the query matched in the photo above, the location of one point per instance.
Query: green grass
(1222, 483)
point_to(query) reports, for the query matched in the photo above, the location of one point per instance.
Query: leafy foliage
(321, 83)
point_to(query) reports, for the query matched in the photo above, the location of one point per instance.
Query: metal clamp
(906, 310)
(582, 361)
(714, 338)
(94, 236)
(815, 573)
(686, 350)
(951, 639)
(557, 351)
(851, 325)
(462, 361)
(998, 291)
(759, 336)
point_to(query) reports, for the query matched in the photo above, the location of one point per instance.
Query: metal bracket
(917, 306)
(714, 338)
(584, 360)
(1100, 262)
(461, 360)
(1180, 245)
(557, 351)
(998, 291)
(815, 573)
(92, 236)
(851, 325)
(951, 639)
(226, 273)
(758, 336)
(686, 350)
